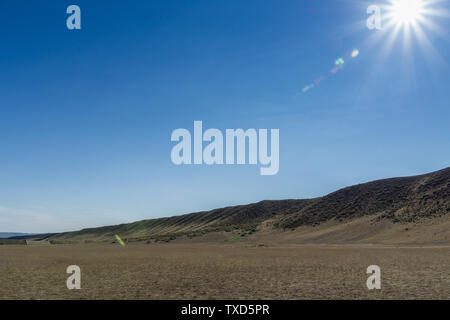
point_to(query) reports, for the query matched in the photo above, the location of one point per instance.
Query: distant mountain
(6, 235)
(382, 210)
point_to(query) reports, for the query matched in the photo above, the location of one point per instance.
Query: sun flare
(407, 11)
(414, 23)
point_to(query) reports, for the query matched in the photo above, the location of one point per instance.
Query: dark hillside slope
(397, 200)
(244, 217)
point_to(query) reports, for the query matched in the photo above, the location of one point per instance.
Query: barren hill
(397, 210)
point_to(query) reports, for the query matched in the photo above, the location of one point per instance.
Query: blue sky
(86, 116)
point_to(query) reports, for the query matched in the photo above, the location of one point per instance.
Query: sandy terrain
(223, 271)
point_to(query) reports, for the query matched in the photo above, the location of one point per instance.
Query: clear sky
(86, 115)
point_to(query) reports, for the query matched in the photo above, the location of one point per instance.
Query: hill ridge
(397, 200)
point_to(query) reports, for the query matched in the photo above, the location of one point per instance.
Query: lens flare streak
(339, 64)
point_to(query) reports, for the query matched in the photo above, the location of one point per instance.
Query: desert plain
(224, 271)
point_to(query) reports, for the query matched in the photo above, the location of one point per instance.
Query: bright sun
(407, 11)
(411, 24)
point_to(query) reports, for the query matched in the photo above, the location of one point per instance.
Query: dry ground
(223, 271)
